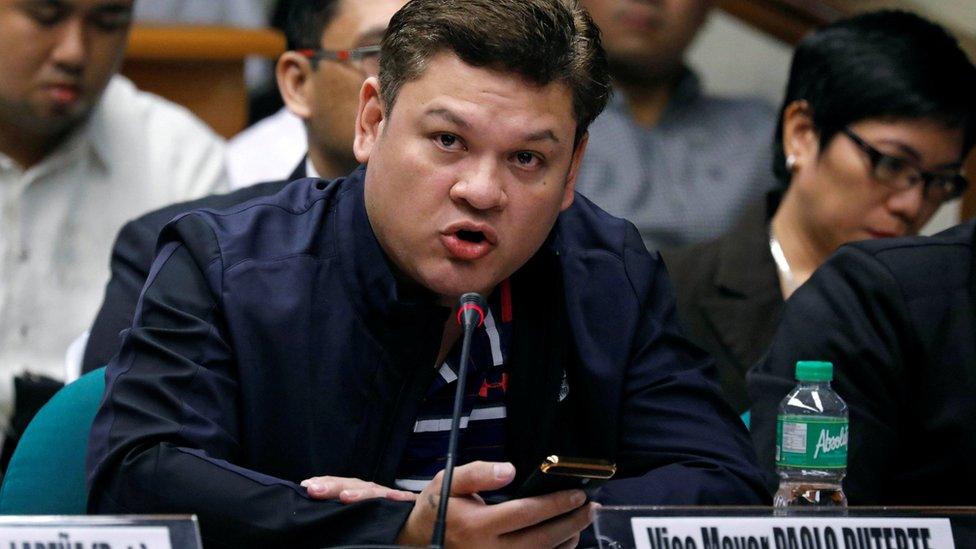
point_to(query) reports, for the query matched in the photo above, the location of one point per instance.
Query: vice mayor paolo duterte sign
(791, 533)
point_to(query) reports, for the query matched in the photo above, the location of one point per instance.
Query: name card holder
(801, 528)
(100, 532)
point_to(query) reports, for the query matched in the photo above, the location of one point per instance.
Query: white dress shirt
(267, 151)
(58, 219)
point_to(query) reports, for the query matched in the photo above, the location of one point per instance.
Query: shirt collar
(687, 91)
(310, 170)
(83, 141)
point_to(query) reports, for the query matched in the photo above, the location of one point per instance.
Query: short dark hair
(884, 64)
(306, 21)
(544, 41)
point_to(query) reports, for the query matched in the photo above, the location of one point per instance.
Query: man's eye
(527, 159)
(112, 20)
(447, 140)
(46, 14)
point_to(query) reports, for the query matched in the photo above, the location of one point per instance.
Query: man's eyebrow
(542, 136)
(449, 116)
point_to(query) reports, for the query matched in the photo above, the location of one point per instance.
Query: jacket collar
(745, 262)
(747, 302)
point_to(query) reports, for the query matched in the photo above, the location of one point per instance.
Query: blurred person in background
(877, 120)
(332, 48)
(679, 164)
(269, 149)
(81, 151)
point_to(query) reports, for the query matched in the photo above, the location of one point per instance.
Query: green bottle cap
(814, 370)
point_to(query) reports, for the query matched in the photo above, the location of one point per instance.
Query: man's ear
(569, 193)
(294, 74)
(370, 119)
(801, 140)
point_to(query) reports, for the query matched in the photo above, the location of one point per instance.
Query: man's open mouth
(471, 236)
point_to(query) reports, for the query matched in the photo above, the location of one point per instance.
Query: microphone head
(471, 310)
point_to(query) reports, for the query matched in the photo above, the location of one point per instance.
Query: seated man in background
(315, 84)
(81, 151)
(897, 317)
(311, 333)
(320, 94)
(860, 153)
(679, 164)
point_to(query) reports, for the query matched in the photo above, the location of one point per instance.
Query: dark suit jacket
(272, 342)
(897, 319)
(132, 255)
(729, 297)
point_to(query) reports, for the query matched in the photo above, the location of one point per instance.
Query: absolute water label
(814, 442)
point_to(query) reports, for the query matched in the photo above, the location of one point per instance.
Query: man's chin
(450, 290)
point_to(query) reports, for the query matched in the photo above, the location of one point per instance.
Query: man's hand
(553, 520)
(350, 490)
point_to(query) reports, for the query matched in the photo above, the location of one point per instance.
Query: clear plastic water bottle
(811, 441)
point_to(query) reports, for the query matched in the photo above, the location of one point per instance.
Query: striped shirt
(482, 425)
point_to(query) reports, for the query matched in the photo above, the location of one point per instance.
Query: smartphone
(566, 473)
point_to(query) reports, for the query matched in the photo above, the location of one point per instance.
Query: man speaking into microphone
(309, 336)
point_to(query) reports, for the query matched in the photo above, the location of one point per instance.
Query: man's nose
(481, 186)
(71, 49)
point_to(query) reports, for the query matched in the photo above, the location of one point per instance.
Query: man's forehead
(455, 92)
(360, 22)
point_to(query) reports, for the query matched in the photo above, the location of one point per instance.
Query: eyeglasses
(900, 173)
(366, 58)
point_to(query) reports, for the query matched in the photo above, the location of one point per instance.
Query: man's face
(336, 84)
(57, 57)
(466, 177)
(647, 36)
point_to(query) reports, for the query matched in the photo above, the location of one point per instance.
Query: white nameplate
(30, 536)
(791, 533)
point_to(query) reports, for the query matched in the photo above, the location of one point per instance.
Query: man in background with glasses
(333, 48)
(333, 45)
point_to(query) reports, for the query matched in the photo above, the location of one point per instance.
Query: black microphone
(470, 315)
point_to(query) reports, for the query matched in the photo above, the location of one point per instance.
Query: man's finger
(516, 514)
(555, 532)
(481, 476)
(375, 491)
(570, 543)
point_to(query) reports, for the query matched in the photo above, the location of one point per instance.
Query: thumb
(481, 476)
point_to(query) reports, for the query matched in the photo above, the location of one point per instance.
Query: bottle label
(811, 442)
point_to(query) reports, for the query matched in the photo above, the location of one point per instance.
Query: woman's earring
(791, 162)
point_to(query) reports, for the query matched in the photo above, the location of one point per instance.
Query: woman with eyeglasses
(875, 126)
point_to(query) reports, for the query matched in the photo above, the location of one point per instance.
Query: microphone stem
(437, 539)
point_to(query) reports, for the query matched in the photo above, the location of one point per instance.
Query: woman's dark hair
(306, 21)
(885, 64)
(542, 40)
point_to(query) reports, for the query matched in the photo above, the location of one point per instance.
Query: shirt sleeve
(852, 314)
(167, 438)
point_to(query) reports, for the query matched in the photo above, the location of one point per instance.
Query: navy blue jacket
(272, 343)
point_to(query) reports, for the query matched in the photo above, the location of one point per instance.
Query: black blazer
(897, 319)
(133, 254)
(729, 298)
